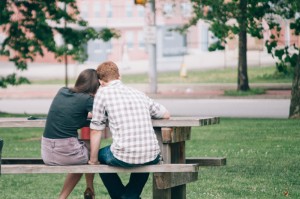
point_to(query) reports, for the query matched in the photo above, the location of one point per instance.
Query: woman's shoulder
(64, 89)
(68, 92)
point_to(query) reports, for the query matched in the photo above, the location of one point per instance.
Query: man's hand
(166, 115)
(93, 163)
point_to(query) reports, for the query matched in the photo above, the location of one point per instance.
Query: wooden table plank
(172, 122)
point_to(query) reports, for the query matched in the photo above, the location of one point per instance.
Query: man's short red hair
(108, 71)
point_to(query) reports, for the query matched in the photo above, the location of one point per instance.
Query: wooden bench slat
(207, 161)
(202, 161)
(41, 168)
(22, 161)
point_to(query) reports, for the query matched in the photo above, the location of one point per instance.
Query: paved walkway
(180, 99)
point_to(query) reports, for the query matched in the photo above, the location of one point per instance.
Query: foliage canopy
(32, 26)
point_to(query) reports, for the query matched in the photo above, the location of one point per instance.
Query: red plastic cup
(85, 133)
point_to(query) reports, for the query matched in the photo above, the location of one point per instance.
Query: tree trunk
(295, 98)
(243, 84)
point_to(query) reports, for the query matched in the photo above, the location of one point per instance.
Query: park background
(261, 150)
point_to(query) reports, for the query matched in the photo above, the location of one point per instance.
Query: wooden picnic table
(172, 135)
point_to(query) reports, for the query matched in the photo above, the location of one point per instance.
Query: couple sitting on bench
(100, 95)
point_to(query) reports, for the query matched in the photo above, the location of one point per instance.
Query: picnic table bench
(169, 178)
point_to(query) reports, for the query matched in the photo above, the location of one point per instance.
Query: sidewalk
(194, 60)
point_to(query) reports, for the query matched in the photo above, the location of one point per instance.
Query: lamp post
(150, 39)
(152, 51)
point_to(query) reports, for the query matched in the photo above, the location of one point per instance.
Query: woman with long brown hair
(69, 112)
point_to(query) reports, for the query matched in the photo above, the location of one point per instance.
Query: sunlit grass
(253, 91)
(227, 75)
(263, 158)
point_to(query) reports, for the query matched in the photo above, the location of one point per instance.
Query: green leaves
(296, 26)
(12, 79)
(216, 46)
(284, 11)
(227, 17)
(106, 34)
(30, 27)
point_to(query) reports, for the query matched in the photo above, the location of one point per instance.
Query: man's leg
(111, 181)
(113, 184)
(135, 185)
(137, 182)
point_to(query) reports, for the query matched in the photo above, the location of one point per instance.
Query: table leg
(172, 153)
(166, 154)
(178, 156)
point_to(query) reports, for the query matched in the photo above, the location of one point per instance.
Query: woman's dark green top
(68, 113)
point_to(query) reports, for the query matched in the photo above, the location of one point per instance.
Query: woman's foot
(89, 194)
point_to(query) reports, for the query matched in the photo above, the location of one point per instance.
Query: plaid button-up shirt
(129, 113)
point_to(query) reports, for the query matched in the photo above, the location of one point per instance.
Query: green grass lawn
(227, 75)
(263, 157)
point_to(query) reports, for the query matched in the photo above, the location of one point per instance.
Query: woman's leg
(89, 178)
(70, 182)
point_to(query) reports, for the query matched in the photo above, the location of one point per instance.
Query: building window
(59, 40)
(168, 9)
(96, 9)
(84, 10)
(186, 9)
(141, 11)
(168, 34)
(109, 46)
(129, 39)
(97, 48)
(141, 39)
(108, 9)
(129, 9)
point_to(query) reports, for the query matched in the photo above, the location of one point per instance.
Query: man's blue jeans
(112, 181)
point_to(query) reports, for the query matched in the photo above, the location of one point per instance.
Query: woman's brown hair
(87, 82)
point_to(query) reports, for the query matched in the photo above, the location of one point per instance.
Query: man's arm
(95, 141)
(157, 110)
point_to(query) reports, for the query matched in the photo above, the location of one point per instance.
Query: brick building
(132, 21)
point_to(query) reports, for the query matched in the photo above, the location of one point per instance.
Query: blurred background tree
(30, 27)
(228, 18)
(288, 57)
